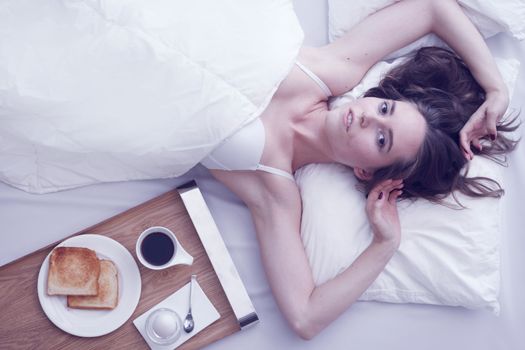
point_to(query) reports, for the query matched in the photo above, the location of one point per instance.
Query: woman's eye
(381, 141)
(384, 108)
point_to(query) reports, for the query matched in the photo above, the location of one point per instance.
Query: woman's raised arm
(308, 308)
(402, 23)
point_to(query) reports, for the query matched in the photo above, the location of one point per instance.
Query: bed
(32, 221)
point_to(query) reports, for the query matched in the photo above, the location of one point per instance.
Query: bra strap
(315, 78)
(275, 171)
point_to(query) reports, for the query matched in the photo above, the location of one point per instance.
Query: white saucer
(93, 323)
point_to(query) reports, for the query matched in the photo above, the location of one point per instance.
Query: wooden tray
(23, 323)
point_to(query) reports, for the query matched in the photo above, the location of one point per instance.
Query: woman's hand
(381, 209)
(483, 122)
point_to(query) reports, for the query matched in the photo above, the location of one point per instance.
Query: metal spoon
(188, 321)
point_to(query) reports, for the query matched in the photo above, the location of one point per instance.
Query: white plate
(93, 323)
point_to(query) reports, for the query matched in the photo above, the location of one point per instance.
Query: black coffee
(157, 248)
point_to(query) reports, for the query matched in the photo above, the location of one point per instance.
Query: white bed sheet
(29, 222)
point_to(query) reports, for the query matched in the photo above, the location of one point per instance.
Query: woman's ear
(362, 174)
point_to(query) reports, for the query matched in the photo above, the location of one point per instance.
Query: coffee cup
(157, 248)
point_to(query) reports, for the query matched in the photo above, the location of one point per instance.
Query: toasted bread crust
(73, 271)
(107, 297)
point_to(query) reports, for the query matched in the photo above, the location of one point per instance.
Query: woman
(378, 132)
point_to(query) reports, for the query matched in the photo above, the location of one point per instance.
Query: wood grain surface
(23, 324)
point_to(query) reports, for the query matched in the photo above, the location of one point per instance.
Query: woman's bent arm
(308, 308)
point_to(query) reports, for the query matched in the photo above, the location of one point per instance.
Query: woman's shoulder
(338, 74)
(298, 87)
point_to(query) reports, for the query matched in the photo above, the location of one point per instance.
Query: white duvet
(110, 90)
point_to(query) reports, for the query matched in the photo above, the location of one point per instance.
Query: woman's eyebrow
(390, 133)
(393, 107)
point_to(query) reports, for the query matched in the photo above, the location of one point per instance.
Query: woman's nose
(367, 118)
(363, 122)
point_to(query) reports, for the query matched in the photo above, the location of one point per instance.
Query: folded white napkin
(204, 314)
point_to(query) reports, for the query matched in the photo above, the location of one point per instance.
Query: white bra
(243, 150)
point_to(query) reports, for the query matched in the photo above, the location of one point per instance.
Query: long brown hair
(439, 83)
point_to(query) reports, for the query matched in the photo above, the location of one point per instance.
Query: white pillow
(446, 257)
(489, 16)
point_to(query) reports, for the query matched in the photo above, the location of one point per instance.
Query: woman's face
(370, 133)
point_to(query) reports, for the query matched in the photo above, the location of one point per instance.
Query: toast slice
(107, 297)
(73, 271)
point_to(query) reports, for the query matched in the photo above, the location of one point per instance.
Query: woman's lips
(347, 120)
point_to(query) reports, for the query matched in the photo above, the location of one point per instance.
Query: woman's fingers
(375, 193)
(378, 195)
(396, 186)
(394, 195)
(467, 153)
(391, 186)
(477, 144)
(385, 190)
(483, 123)
(465, 145)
